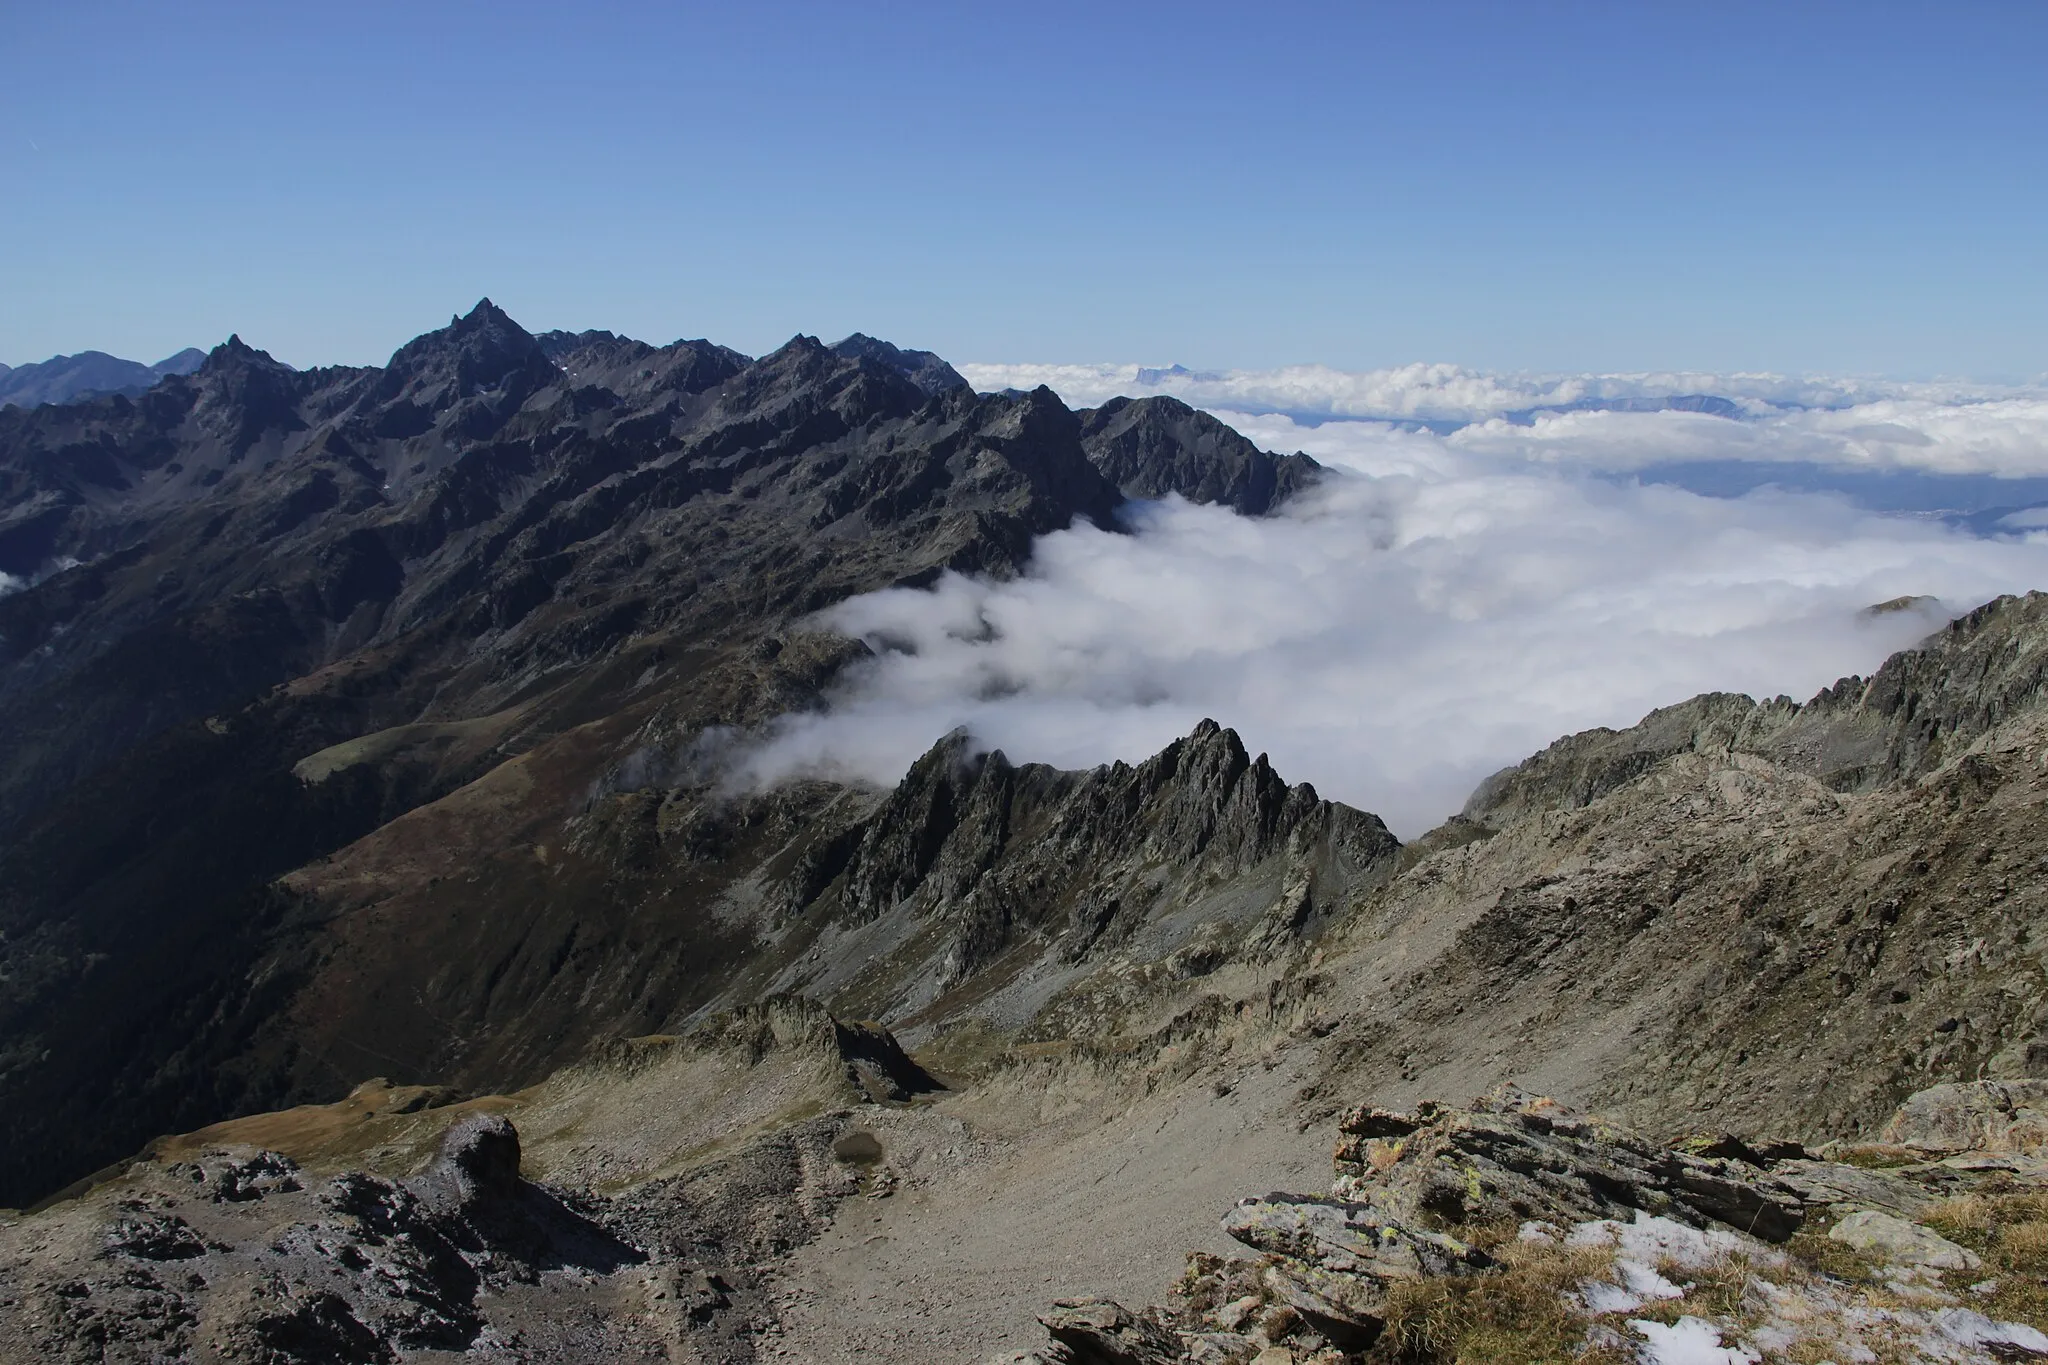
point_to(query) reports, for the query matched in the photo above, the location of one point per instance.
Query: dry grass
(1819, 1254)
(1518, 1315)
(2010, 1231)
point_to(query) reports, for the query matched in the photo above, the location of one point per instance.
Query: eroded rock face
(997, 853)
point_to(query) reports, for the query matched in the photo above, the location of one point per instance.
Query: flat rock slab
(1902, 1243)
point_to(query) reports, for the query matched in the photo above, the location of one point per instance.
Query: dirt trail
(957, 1264)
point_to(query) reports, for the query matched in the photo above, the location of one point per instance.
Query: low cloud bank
(1441, 607)
(1452, 393)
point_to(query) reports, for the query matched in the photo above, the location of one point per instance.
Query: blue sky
(1806, 187)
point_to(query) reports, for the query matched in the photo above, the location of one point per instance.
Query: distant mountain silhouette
(66, 378)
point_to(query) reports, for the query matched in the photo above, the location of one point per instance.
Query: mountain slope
(272, 611)
(1667, 925)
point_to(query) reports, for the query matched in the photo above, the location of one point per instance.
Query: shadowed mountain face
(67, 378)
(271, 611)
(1150, 447)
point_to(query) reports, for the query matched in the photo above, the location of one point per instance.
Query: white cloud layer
(2005, 438)
(1441, 607)
(1439, 392)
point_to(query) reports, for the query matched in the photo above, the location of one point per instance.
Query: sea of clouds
(1451, 599)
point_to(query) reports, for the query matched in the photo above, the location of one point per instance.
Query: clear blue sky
(1839, 187)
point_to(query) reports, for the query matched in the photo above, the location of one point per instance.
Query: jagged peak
(485, 313)
(925, 369)
(236, 354)
(486, 334)
(956, 751)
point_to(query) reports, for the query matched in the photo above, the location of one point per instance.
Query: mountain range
(66, 378)
(367, 872)
(307, 605)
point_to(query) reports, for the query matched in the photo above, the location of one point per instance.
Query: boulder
(1345, 1237)
(478, 1160)
(1974, 1116)
(1902, 1243)
(1097, 1331)
(1842, 1188)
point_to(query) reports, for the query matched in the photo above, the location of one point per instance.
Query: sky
(1566, 187)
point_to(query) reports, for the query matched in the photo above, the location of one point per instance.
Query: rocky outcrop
(1511, 1156)
(875, 1066)
(989, 857)
(241, 1256)
(1149, 447)
(1985, 1116)
(1445, 1193)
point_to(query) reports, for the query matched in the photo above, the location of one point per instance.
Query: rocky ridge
(463, 585)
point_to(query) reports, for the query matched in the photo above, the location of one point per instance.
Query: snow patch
(1967, 1327)
(1689, 1341)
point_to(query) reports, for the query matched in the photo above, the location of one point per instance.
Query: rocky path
(956, 1264)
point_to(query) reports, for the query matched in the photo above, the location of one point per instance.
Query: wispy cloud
(1443, 606)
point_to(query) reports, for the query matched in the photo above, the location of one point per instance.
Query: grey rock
(1902, 1243)
(1974, 1116)
(1345, 1310)
(1518, 1158)
(1833, 1185)
(1098, 1331)
(1347, 1238)
(479, 1158)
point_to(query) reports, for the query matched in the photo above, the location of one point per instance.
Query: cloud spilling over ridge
(1441, 607)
